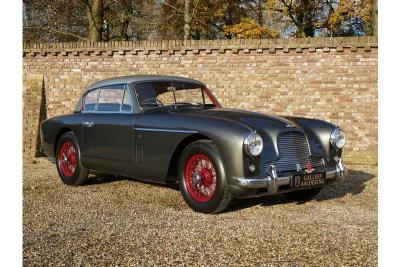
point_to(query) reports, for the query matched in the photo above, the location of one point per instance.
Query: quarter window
(110, 99)
(107, 99)
(90, 100)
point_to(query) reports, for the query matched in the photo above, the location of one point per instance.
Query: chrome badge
(309, 168)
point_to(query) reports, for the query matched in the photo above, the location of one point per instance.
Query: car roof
(141, 78)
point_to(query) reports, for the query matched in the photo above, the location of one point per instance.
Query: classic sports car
(167, 129)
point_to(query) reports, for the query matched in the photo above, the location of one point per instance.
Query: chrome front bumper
(272, 182)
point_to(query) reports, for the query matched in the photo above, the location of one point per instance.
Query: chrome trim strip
(108, 112)
(165, 130)
(251, 183)
(261, 182)
(87, 123)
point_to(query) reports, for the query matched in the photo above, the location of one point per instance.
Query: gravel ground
(122, 222)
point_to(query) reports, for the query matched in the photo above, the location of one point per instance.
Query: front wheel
(202, 178)
(69, 166)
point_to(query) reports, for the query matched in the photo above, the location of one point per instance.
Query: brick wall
(328, 78)
(33, 113)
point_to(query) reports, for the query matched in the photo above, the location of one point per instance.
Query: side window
(90, 100)
(110, 99)
(147, 93)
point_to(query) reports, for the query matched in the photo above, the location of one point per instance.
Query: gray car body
(147, 144)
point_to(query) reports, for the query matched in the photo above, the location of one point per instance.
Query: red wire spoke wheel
(200, 178)
(69, 166)
(67, 159)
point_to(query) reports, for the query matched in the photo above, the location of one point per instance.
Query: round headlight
(253, 144)
(337, 138)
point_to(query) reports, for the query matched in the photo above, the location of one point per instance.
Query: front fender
(227, 135)
(318, 133)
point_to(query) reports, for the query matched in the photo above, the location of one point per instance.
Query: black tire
(80, 173)
(303, 195)
(222, 195)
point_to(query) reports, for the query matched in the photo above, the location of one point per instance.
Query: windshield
(152, 95)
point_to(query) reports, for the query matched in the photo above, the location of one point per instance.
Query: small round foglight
(337, 138)
(253, 144)
(252, 168)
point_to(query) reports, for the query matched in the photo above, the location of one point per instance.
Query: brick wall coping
(195, 46)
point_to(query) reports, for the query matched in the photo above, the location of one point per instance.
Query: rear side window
(110, 99)
(107, 99)
(90, 100)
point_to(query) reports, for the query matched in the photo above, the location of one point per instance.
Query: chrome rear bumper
(272, 182)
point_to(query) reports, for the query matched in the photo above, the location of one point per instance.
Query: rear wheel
(303, 195)
(69, 166)
(202, 178)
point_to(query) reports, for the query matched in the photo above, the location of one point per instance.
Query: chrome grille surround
(294, 152)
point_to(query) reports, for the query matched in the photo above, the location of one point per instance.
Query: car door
(107, 129)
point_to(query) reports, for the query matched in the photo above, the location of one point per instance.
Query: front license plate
(308, 179)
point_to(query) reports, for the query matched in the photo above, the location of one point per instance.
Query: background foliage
(104, 20)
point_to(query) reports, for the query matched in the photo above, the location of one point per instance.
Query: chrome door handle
(87, 123)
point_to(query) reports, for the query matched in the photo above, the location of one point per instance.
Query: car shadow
(354, 185)
(104, 178)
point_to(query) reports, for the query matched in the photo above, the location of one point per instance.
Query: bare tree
(188, 18)
(95, 13)
(43, 21)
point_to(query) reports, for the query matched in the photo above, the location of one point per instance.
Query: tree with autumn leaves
(308, 18)
(105, 20)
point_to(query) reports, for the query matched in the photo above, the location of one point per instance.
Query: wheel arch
(174, 161)
(60, 133)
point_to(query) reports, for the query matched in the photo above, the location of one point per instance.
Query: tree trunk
(124, 30)
(260, 10)
(375, 18)
(188, 19)
(95, 16)
(306, 20)
(125, 21)
(372, 25)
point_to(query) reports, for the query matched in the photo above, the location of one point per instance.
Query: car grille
(293, 150)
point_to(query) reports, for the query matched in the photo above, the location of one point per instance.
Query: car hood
(268, 126)
(253, 120)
